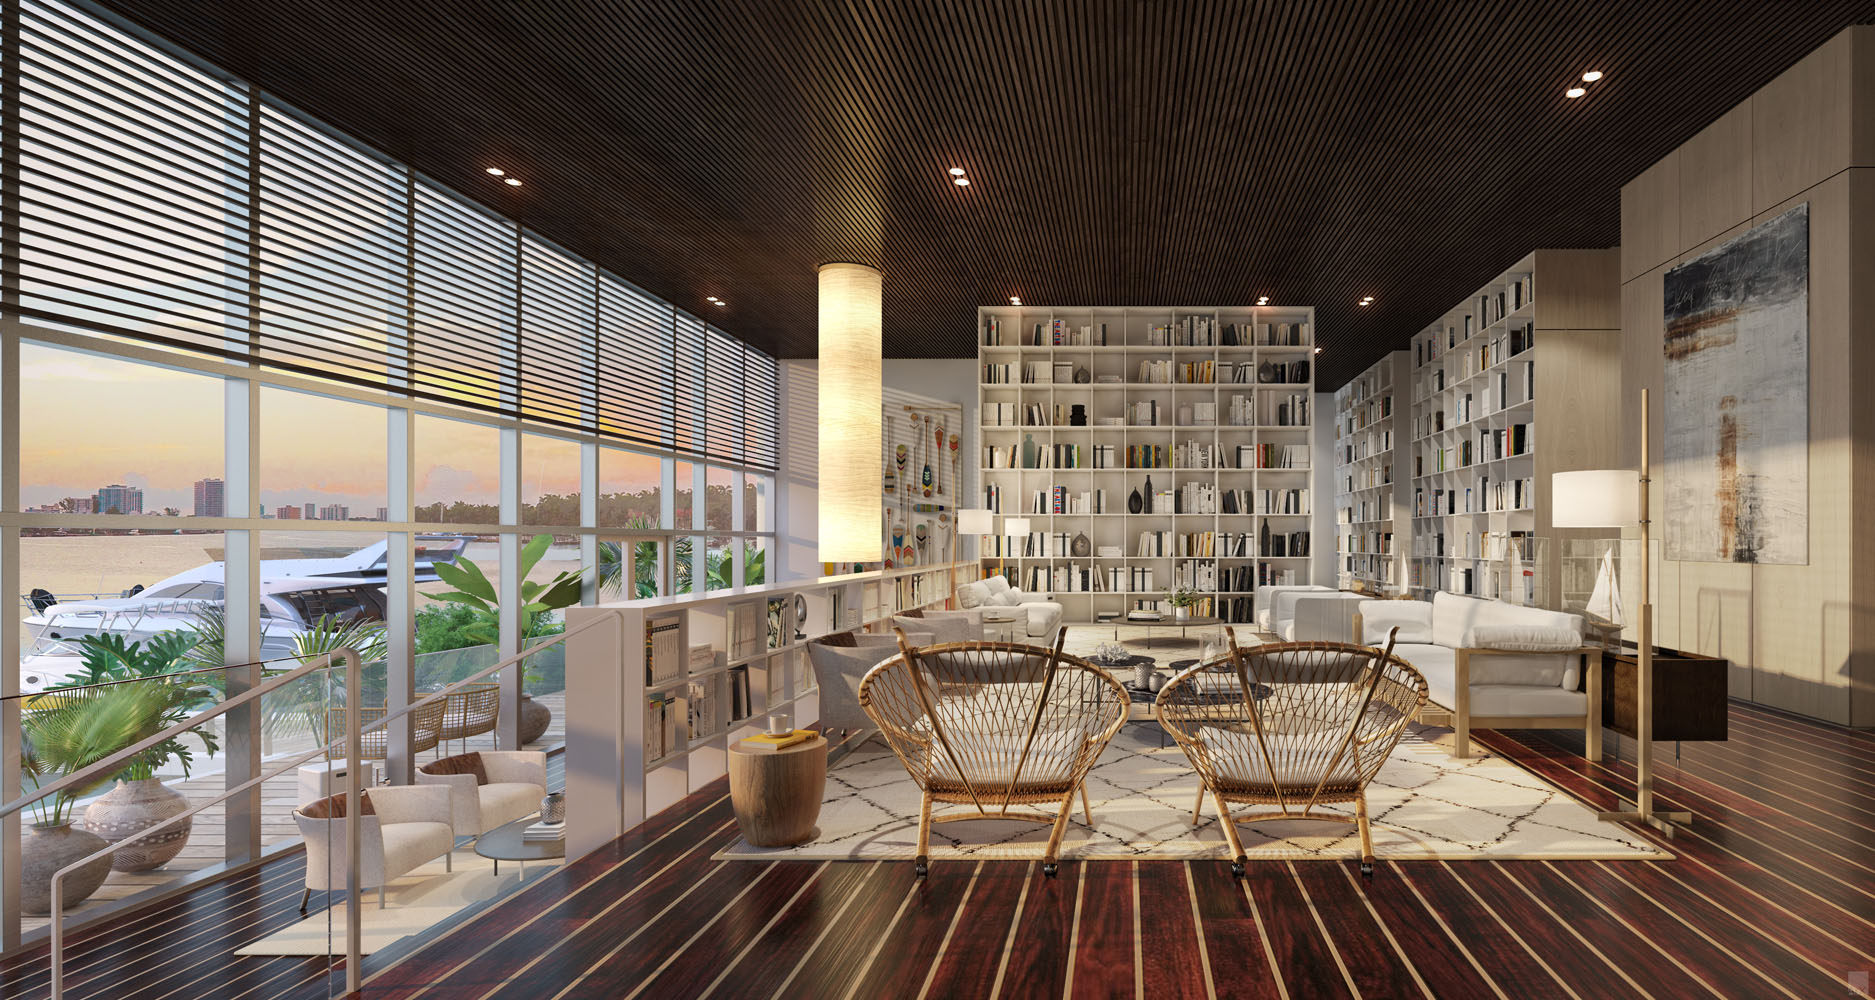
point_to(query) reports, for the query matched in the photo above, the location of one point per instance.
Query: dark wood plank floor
(1771, 894)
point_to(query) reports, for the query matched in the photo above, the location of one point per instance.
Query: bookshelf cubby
(1372, 470)
(1536, 347)
(1080, 406)
(663, 712)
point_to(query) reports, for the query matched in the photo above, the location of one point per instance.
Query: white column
(400, 592)
(241, 611)
(508, 588)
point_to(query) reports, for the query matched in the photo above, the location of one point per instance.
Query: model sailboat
(1605, 600)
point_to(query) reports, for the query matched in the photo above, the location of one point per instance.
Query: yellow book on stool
(769, 742)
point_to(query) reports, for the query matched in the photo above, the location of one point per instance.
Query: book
(535, 833)
(765, 743)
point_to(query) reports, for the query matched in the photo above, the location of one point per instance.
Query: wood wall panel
(1802, 124)
(1715, 177)
(1650, 217)
(1798, 636)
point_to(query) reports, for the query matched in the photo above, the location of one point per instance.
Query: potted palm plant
(161, 699)
(476, 593)
(67, 730)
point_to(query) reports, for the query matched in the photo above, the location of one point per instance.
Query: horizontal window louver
(167, 204)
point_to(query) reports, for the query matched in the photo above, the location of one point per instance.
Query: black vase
(1133, 503)
(1148, 494)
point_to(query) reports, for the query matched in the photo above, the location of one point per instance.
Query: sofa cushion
(996, 584)
(1044, 618)
(408, 845)
(507, 801)
(943, 628)
(1454, 616)
(972, 595)
(1538, 670)
(1414, 619)
(1006, 599)
(1529, 638)
(1435, 663)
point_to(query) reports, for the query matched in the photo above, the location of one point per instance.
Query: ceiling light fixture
(1318, 350)
(497, 171)
(1015, 300)
(720, 302)
(957, 171)
(1574, 92)
(961, 181)
(711, 298)
(1263, 300)
(1591, 76)
(513, 182)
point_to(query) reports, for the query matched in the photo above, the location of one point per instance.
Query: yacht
(294, 595)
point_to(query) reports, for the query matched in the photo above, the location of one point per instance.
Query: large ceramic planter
(135, 806)
(535, 718)
(46, 849)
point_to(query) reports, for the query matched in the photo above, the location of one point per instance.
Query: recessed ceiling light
(1574, 92)
(1591, 76)
(1318, 350)
(720, 302)
(712, 298)
(1015, 300)
(1263, 300)
(957, 171)
(513, 182)
(961, 181)
(497, 171)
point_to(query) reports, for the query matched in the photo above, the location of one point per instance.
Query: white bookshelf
(1266, 424)
(1536, 347)
(1373, 495)
(621, 766)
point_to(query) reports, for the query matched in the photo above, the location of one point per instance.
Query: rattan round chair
(993, 725)
(1295, 725)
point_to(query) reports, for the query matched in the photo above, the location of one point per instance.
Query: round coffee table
(776, 795)
(504, 843)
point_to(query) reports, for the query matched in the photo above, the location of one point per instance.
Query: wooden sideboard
(1689, 694)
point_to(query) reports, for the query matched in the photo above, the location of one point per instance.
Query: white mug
(780, 724)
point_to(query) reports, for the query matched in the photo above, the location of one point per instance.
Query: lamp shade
(975, 521)
(1013, 526)
(851, 413)
(1595, 498)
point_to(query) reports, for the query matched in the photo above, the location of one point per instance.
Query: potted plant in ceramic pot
(478, 606)
(67, 730)
(140, 800)
(1181, 599)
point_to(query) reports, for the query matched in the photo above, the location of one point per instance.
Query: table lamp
(1616, 498)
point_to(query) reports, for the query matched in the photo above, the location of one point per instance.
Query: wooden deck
(1772, 895)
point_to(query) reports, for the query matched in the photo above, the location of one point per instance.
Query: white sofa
(1266, 596)
(489, 788)
(399, 828)
(1491, 665)
(1044, 615)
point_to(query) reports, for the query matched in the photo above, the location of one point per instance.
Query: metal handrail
(171, 675)
(353, 737)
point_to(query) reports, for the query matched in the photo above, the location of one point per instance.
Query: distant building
(384, 513)
(311, 512)
(210, 498)
(118, 499)
(334, 512)
(78, 505)
(287, 512)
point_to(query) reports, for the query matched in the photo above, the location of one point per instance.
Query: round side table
(776, 796)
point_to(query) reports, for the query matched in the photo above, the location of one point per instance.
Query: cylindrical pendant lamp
(851, 413)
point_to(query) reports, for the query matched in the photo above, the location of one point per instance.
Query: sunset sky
(90, 421)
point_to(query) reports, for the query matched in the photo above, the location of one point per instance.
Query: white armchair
(399, 828)
(489, 787)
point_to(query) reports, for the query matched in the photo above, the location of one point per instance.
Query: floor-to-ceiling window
(240, 350)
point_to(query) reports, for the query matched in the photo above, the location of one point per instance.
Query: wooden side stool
(776, 795)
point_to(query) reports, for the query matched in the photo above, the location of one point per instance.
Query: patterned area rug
(1424, 804)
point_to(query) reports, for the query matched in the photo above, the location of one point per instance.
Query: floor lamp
(1616, 498)
(971, 521)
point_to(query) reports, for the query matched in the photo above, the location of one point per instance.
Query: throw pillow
(912, 613)
(1007, 599)
(844, 639)
(996, 584)
(1525, 638)
(972, 595)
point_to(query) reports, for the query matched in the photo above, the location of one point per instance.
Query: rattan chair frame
(426, 726)
(1319, 744)
(471, 711)
(954, 730)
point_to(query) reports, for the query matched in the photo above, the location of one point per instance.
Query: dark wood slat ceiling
(1121, 152)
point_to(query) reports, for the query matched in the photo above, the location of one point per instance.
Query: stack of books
(535, 833)
(768, 743)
